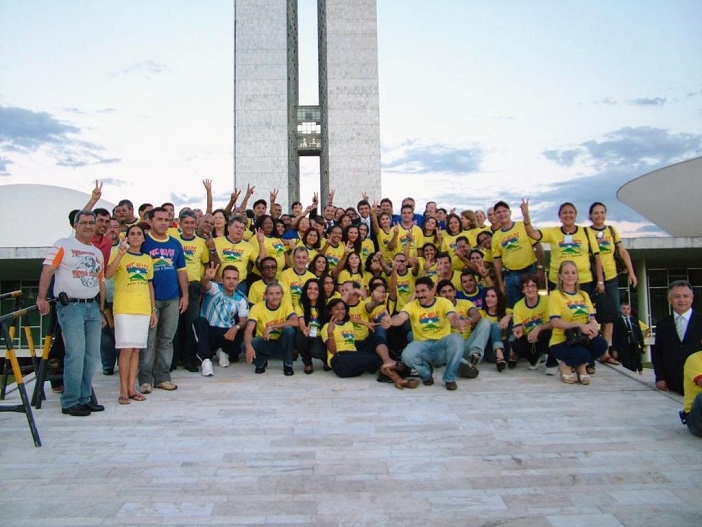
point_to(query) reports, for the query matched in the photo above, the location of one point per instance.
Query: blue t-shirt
(169, 258)
(478, 298)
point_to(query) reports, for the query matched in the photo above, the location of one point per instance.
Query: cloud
(634, 147)
(147, 69)
(648, 101)
(413, 157)
(608, 101)
(3, 166)
(23, 129)
(606, 164)
(25, 132)
(113, 182)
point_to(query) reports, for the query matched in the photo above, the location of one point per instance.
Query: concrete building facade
(272, 130)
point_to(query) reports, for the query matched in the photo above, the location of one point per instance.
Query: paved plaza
(516, 448)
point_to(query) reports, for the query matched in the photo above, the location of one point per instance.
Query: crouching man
(222, 319)
(274, 322)
(431, 319)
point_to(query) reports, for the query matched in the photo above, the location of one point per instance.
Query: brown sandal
(123, 400)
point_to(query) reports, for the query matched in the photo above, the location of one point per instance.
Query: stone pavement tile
(660, 517)
(645, 497)
(586, 520)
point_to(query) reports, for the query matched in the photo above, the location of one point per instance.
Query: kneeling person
(274, 322)
(349, 360)
(431, 318)
(223, 317)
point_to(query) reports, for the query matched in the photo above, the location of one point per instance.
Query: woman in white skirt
(133, 308)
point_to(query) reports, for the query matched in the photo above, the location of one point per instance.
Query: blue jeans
(494, 342)
(477, 340)
(423, 354)
(694, 418)
(513, 287)
(265, 349)
(577, 355)
(108, 353)
(81, 325)
(155, 359)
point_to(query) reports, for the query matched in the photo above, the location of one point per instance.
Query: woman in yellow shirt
(349, 361)
(133, 307)
(571, 308)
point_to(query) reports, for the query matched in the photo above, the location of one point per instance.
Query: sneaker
(553, 370)
(207, 368)
(145, 388)
(165, 385)
(223, 358)
(541, 361)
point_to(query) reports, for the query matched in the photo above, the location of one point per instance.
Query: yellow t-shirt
(514, 247)
(241, 255)
(258, 290)
(431, 322)
(358, 312)
(196, 257)
(530, 316)
(692, 371)
(275, 248)
(463, 308)
(334, 255)
(405, 288)
(314, 321)
(343, 337)
(569, 308)
(427, 270)
(367, 248)
(295, 282)
(131, 284)
(416, 243)
(345, 276)
(607, 245)
(263, 316)
(383, 242)
(575, 247)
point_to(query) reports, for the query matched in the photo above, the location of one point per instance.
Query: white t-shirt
(79, 268)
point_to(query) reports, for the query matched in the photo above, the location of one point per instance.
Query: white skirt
(131, 331)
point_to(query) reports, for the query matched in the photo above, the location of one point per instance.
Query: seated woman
(311, 316)
(496, 312)
(571, 308)
(348, 360)
(531, 326)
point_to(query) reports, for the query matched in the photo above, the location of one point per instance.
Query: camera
(63, 298)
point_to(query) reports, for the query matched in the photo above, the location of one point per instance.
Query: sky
(552, 100)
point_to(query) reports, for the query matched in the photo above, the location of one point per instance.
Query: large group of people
(356, 288)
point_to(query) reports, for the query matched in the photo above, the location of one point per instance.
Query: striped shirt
(223, 311)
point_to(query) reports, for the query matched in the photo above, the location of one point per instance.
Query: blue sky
(554, 100)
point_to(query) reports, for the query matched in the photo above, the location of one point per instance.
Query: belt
(508, 271)
(80, 300)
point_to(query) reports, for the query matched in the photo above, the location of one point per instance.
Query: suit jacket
(669, 353)
(628, 346)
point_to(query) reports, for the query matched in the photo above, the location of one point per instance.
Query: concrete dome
(35, 216)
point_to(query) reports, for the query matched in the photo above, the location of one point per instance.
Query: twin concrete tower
(272, 130)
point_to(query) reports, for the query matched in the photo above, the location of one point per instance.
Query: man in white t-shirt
(78, 267)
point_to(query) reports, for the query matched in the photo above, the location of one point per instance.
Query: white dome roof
(37, 215)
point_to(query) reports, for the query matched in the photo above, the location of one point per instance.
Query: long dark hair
(321, 305)
(335, 301)
(501, 302)
(357, 245)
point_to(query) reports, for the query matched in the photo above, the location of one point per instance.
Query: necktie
(680, 326)
(628, 323)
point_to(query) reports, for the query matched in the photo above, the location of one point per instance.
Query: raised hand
(211, 271)
(97, 191)
(207, 183)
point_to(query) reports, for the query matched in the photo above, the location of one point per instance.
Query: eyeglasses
(86, 223)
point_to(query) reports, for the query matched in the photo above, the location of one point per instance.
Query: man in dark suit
(677, 337)
(628, 340)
